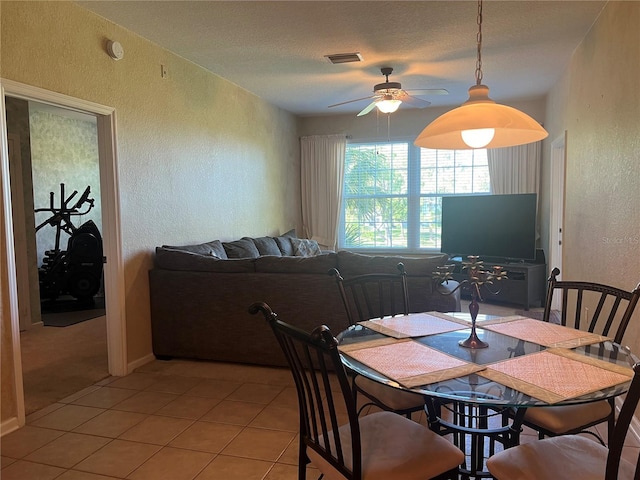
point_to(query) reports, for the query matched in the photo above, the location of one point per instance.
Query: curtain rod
(348, 137)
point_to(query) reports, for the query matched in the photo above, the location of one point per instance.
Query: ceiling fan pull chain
(479, 40)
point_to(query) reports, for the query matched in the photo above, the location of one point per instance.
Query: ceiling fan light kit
(480, 122)
(388, 105)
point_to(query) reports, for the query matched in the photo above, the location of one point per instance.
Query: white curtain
(322, 174)
(515, 169)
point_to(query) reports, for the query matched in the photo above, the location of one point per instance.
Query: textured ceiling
(276, 49)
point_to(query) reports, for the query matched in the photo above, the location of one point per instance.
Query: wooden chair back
(324, 394)
(621, 429)
(591, 306)
(373, 295)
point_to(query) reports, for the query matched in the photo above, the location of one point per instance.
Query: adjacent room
(228, 153)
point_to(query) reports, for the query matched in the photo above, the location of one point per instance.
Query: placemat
(412, 325)
(410, 363)
(545, 333)
(481, 324)
(574, 375)
(350, 347)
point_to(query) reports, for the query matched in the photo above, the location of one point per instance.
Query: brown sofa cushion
(243, 248)
(171, 259)
(318, 264)
(213, 248)
(351, 264)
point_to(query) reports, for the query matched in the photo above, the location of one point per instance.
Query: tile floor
(173, 420)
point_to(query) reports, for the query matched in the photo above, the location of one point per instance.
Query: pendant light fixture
(480, 122)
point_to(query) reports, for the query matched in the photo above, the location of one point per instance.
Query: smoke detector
(115, 50)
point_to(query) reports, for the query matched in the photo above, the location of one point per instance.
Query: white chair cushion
(567, 417)
(393, 447)
(568, 457)
(393, 398)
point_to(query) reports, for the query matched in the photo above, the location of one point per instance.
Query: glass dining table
(480, 395)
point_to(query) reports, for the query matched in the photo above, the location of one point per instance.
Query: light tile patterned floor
(173, 420)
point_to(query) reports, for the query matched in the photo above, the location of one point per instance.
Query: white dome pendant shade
(480, 123)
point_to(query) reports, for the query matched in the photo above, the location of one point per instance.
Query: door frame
(20, 233)
(556, 207)
(112, 242)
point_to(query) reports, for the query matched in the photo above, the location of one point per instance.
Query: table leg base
(471, 433)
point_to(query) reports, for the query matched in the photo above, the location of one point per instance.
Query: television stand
(525, 286)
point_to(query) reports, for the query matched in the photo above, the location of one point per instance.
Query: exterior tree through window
(393, 192)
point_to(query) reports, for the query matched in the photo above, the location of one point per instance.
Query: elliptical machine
(76, 271)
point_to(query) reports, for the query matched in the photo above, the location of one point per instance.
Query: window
(393, 193)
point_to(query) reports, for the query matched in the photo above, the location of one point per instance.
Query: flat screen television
(500, 226)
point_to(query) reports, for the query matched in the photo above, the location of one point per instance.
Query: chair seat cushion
(393, 447)
(393, 398)
(568, 457)
(567, 418)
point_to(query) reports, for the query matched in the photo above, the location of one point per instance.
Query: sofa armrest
(445, 297)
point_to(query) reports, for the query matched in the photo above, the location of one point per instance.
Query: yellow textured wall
(597, 101)
(198, 157)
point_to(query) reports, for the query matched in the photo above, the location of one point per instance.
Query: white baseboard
(141, 361)
(9, 426)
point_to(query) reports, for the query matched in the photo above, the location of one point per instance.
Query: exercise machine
(76, 271)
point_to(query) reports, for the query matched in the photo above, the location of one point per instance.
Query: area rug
(65, 312)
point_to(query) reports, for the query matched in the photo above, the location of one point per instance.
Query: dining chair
(376, 295)
(596, 308)
(571, 457)
(333, 438)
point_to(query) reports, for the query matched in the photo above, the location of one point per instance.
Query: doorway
(54, 168)
(113, 268)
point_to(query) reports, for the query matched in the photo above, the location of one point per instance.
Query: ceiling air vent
(344, 57)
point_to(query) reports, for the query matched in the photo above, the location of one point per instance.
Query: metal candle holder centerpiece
(478, 278)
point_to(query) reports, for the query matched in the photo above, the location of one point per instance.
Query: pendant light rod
(480, 122)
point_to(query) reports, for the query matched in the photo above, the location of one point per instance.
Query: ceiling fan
(389, 95)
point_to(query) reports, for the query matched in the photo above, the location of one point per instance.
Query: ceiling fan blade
(368, 108)
(351, 101)
(413, 101)
(429, 91)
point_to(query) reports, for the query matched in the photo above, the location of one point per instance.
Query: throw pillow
(267, 246)
(303, 247)
(284, 242)
(243, 248)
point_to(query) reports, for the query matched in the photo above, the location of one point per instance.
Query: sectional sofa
(200, 294)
